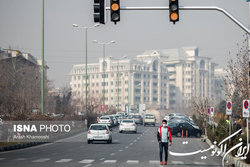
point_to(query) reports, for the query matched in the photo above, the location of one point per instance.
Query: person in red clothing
(164, 139)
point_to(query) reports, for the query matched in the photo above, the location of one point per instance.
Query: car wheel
(120, 131)
(110, 141)
(144, 124)
(178, 134)
(135, 131)
(198, 135)
(89, 141)
(154, 125)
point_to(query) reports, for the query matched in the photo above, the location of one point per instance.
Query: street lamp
(124, 57)
(103, 52)
(86, 61)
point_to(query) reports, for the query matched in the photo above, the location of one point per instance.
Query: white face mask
(164, 125)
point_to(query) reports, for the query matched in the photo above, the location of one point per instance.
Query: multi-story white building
(190, 75)
(220, 76)
(162, 79)
(139, 81)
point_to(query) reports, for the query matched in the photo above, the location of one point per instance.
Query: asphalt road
(140, 150)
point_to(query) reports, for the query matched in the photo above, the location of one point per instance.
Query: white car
(99, 132)
(106, 120)
(128, 125)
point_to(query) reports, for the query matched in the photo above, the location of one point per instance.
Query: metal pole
(229, 15)
(247, 136)
(86, 71)
(42, 70)
(128, 87)
(118, 85)
(230, 128)
(103, 76)
(213, 124)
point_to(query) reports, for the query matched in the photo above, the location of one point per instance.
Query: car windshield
(149, 116)
(136, 116)
(105, 118)
(98, 127)
(127, 121)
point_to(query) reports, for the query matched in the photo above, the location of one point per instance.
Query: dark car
(178, 127)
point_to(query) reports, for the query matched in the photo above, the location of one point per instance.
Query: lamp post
(118, 77)
(103, 63)
(42, 70)
(86, 61)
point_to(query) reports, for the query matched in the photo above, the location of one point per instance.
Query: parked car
(138, 119)
(99, 132)
(178, 127)
(127, 125)
(106, 120)
(149, 119)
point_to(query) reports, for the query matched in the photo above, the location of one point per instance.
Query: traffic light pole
(216, 8)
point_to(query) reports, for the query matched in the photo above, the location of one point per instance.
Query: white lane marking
(126, 147)
(86, 161)
(116, 140)
(120, 150)
(154, 162)
(132, 161)
(102, 159)
(112, 154)
(88, 165)
(20, 159)
(177, 162)
(138, 138)
(2, 159)
(135, 140)
(64, 160)
(199, 163)
(41, 160)
(110, 161)
(131, 144)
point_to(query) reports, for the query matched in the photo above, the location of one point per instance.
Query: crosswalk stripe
(132, 161)
(64, 160)
(154, 162)
(177, 162)
(199, 163)
(87, 165)
(41, 160)
(86, 161)
(110, 161)
(20, 159)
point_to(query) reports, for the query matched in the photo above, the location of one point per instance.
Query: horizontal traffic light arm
(229, 15)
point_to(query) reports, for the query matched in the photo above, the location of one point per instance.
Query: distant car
(138, 119)
(127, 125)
(106, 120)
(149, 119)
(177, 128)
(99, 132)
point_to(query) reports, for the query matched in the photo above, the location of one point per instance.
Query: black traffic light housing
(115, 10)
(100, 11)
(173, 10)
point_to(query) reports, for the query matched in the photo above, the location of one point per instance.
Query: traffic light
(115, 10)
(173, 10)
(100, 11)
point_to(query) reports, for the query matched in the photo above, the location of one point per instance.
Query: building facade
(162, 79)
(123, 82)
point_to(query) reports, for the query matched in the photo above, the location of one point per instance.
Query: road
(140, 150)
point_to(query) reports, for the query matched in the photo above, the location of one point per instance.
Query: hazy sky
(138, 31)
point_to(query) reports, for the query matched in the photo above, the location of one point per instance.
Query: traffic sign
(212, 111)
(208, 110)
(102, 107)
(245, 109)
(229, 108)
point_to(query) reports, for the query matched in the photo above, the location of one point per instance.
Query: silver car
(106, 120)
(99, 132)
(128, 125)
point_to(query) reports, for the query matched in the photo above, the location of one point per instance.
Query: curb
(236, 162)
